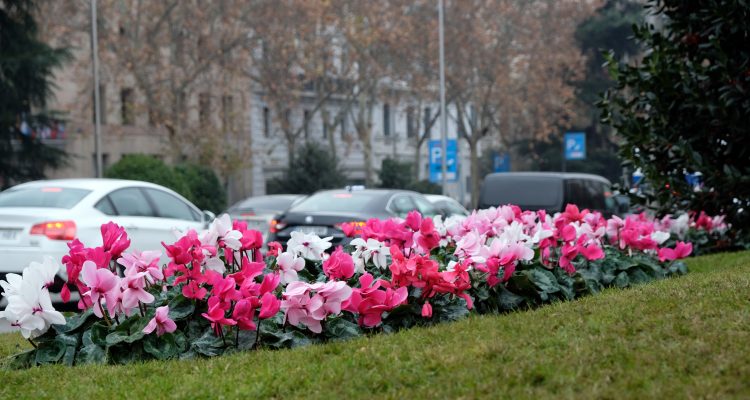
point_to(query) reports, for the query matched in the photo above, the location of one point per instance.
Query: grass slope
(680, 338)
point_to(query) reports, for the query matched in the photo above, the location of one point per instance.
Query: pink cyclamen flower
(339, 265)
(102, 283)
(681, 250)
(270, 305)
(133, 291)
(147, 261)
(427, 310)
(114, 238)
(161, 322)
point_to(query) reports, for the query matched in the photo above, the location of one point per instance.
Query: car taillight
(55, 230)
(276, 226)
(351, 228)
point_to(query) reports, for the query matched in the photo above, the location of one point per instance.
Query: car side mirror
(208, 216)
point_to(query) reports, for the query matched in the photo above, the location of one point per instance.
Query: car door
(131, 209)
(424, 206)
(401, 204)
(173, 213)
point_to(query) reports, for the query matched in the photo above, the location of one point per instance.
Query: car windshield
(337, 201)
(279, 203)
(529, 193)
(53, 197)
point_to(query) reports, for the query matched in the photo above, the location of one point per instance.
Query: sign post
(501, 162)
(574, 147)
(451, 161)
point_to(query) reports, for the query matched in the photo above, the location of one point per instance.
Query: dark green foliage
(685, 106)
(313, 168)
(142, 167)
(26, 67)
(396, 174)
(197, 183)
(207, 192)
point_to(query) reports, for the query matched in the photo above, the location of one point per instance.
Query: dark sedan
(325, 212)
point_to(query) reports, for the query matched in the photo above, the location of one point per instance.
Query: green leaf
(637, 276)
(129, 331)
(509, 300)
(181, 308)
(91, 354)
(99, 332)
(299, 339)
(208, 344)
(165, 346)
(22, 360)
(78, 321)
(49, 352)
(125, 353)
(276, 338)
(340, 328)
(452, 311)
(247, 340)
(622, 281)
(69, 356)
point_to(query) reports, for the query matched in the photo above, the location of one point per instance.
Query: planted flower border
(219, 294)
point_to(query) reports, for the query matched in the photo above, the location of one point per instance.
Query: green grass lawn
(687, 337)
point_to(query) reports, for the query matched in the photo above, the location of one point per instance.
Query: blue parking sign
(501, 162)
(436, 161)
(575, 146)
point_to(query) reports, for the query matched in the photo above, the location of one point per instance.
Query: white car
(38, 219)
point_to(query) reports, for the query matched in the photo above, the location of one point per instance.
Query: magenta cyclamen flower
(339, 265)
(161, 322)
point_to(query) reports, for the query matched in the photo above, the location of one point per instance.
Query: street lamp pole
(97, 111)
(443, 120)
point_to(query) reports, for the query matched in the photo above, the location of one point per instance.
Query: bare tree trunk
(365, 135)
(291, 148)
(417, 160)
(474, 169)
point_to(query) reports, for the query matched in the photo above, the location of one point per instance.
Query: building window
(126, 104)
(306, 122)
(102, 105)
(386, 119)
(227, 113)
(204, 109)
(410, 128)
(266, 122)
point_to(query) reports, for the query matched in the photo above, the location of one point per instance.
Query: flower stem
(32, 342)
(106, 317)
(257, 335)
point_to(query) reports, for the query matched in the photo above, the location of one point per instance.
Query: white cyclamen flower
(373, 249)
(660, 237)
(30, 308)
(308, 246)
(221, 228)
(289, 264)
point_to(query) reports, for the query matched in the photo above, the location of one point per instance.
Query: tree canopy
(26, 67)
(684, 107)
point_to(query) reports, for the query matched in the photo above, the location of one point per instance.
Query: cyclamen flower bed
(218, 294)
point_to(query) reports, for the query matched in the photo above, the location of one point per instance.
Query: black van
(549, 191)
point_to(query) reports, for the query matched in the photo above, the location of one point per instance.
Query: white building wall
(270, 153)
